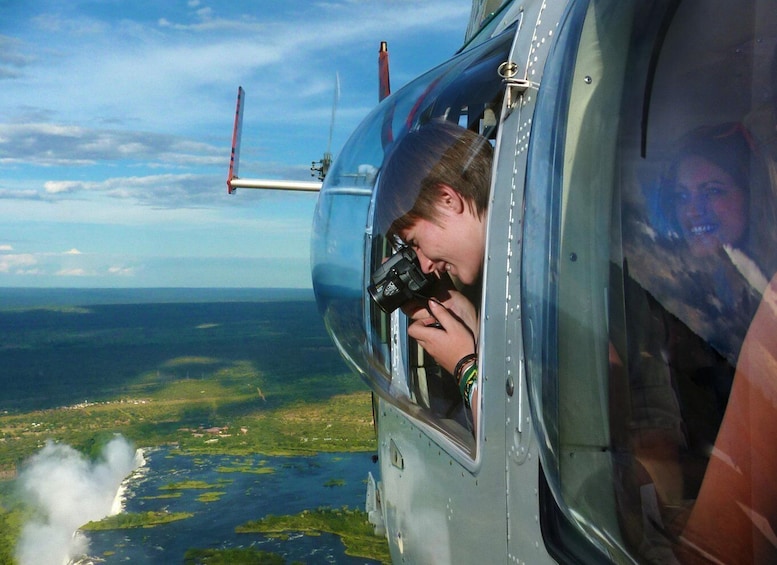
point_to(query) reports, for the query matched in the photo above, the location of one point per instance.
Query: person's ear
(450, 200)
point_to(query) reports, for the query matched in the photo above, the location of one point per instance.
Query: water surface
(295, 484)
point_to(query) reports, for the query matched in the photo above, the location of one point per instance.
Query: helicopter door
(649, 247)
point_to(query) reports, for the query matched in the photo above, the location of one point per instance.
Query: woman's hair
(438, 153)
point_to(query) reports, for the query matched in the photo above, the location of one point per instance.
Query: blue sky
(116, 123)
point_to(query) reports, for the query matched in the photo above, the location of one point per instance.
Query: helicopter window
(650, 336)
(466, 93)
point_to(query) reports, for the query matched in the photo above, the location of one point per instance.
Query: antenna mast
(321, 168)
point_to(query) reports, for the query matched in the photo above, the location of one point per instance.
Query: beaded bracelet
(460, 365)
(468, 381)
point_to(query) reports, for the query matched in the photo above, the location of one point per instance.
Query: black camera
(398, 280)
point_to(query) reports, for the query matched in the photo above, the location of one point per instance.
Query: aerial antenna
(237, 130)
(321, 168)
(234, 182)
(384, 83)
(384, 90)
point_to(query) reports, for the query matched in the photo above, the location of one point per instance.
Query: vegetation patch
(211, 496)
(351, 525)
(246, 469)
(13, 514)
(163, 496)
(190, 360)
(239, 556)
(127, 520)
(191, 485)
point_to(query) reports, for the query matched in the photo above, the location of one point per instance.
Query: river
(295, 484)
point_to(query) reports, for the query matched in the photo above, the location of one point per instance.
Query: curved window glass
(648, 279)
(350, 241)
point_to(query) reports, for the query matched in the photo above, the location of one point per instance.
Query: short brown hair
(438, 153)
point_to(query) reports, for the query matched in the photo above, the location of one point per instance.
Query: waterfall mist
(67, 490)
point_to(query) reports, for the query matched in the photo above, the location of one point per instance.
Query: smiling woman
(714, 209)
(706, 191)
(710, 206)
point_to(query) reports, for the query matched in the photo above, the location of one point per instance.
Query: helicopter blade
(334, 111)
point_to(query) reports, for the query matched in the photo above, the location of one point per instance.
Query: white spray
(68, 491)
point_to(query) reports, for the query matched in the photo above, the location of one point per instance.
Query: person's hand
(442, 287)
(447, 344)
(460, 307)
(456, 303)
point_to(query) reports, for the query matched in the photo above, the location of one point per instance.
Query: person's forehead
(700, 168)
(407, 232)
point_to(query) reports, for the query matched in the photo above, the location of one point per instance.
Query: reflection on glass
(700, 283)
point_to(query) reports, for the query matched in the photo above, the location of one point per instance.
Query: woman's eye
(680, 197)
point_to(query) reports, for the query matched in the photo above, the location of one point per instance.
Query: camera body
(398, 280)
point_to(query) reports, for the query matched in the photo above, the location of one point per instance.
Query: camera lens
(390, 293)
(398, 280)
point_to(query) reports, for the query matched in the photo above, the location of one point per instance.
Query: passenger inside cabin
(715, 208)
(703, 370)
(433, 193)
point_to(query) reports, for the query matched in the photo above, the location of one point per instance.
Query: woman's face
(710, 207)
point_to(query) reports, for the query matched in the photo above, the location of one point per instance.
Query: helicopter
(626, 411)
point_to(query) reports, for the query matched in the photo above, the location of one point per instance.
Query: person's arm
(453, 343)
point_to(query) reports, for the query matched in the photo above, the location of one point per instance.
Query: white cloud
(119, 123)
(73, 251)
(155, 75)
(15, 263)
(29, 272)
(51, 144)
(121, 271)
(62, 186)
(205, 13)
(6, 247)
(76, 272)
(164, 190)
